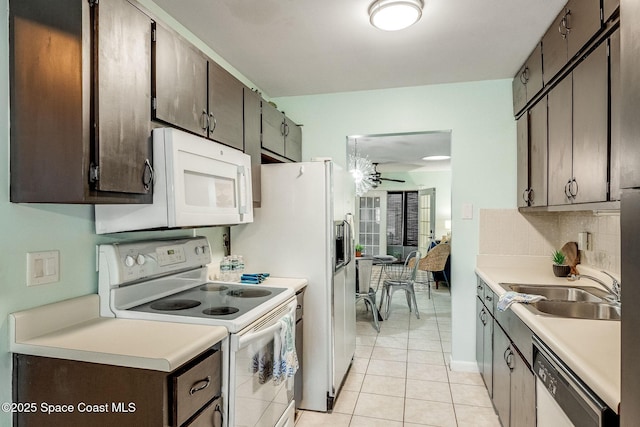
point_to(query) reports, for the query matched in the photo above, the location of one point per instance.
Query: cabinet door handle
(200, 385)
(524, 76)
(282, 125)
(212, 119)
(525, 196)
(286, 129)
(218, 417)
(147, 175)
(567, 190)
(573, 194)
(205, 120)
(489, 298)
(564, 28)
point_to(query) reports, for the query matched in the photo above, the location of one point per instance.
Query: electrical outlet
(43, 267)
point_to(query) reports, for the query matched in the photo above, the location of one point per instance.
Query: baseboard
(460, 366)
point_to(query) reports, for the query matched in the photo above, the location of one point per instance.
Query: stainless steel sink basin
(563, 293)
(579, 310)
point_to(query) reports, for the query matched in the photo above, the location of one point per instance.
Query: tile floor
(400, 376)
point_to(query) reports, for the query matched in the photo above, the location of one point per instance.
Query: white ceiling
(301, 47)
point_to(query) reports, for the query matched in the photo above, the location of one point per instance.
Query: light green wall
(483, 160)
(37, 227)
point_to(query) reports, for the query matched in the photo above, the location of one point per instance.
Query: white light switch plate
(43, 267)
(467, 211)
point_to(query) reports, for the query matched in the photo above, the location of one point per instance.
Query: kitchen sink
(562, 293)
(579, 310)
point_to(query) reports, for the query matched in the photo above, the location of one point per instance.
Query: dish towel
(511, 297)
(262, 362)
(285, 359)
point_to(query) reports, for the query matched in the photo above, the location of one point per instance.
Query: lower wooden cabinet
(59, 392)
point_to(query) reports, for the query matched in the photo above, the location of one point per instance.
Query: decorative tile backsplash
(509, 232)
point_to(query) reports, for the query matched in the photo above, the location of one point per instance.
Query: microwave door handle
(242, 189)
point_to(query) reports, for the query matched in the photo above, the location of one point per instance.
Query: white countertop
(590, 348)
(72, 329)
(286, 282)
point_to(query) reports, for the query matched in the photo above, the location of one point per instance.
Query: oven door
(207, 183)
(255, 399)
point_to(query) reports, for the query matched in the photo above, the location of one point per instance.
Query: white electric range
(166, 280)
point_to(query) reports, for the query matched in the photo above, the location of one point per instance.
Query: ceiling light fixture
(393, 15)
(435, 158)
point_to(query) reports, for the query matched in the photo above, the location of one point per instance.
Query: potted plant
(560, 269)
(359, 249)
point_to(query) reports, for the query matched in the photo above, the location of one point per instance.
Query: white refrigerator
(302, 230)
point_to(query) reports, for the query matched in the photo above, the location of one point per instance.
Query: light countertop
(72, 329)
(590, 348)
(282, 282)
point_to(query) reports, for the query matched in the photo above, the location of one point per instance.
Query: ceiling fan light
(394, 15)
(435, 158)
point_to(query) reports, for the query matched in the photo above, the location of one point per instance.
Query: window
(369, 236)
(402, 218)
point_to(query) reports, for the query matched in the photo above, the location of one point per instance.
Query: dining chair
(401, 278)
(435, 262)
(365, 292)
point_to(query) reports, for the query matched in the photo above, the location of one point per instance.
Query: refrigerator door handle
(348, 242)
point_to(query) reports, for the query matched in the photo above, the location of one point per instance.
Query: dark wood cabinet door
(501, 375)
(292, 140)
(615, 104)
(523, 160)
(608, 7)
(583, 22)
(123, 97)
(488, 352)
(523, 393)
(225, 107)
(180, 84)
(538, 150)
(560, 141)
(590, 127)
(519, 89)
(272, 129)
(554, 48)
(534, 72)
(252, 140)
(630, 104)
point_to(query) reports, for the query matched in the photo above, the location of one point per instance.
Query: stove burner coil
(176, 304)
(249, 293)
(214, 288)
(220, 311)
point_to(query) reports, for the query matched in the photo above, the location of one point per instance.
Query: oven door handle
(246, 339)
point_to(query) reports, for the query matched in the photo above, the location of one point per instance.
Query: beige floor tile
(353, 382)
(387, 368)
(428, 390)
(470, 395)
(387, 331)
(364, 351)
(421, 344)
(392, 342)
(320, 419)
(359, 365)
(425, 372)
(365, 328)
(358, 421)
(471, 378)
(366, 340)
(474, 416)
(346, 402)
(446, 346)
(430, 357)
(396, 323)
(429, 413)
(424, 334)
(388, 353)
(388, 386)
(378, 406)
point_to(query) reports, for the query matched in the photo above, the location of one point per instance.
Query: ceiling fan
(376, 177)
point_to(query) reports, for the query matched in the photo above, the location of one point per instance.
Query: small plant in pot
(560, 269)
(359, 249)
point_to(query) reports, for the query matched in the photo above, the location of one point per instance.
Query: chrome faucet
(615, 289)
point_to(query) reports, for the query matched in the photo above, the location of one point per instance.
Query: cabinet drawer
(211, 416)
(195, 386)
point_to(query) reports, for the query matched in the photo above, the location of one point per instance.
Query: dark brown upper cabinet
(280, 135)
(608, 8)
(194, 93)
(528, 81)
(615, 102)
(80, 96)
(575, 25)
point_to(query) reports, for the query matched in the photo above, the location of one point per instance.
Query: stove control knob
(129, 261)
(140, 259)
(199, 250)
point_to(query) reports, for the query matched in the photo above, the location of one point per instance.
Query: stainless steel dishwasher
(562, 399)
(297, 395)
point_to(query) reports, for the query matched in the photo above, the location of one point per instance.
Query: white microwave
(196, 182)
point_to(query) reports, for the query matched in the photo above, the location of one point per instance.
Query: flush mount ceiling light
(434, 158)
(393, 15)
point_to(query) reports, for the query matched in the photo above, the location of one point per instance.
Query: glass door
(427, 218)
